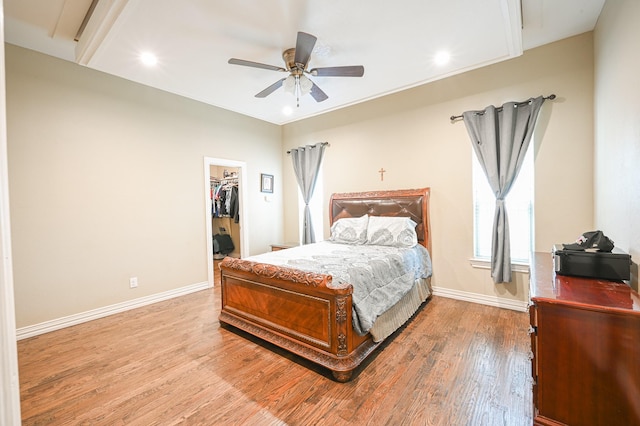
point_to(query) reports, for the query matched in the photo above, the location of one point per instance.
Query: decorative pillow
(391, 231)
(350, 230)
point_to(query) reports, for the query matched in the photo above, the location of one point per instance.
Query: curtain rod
(550, 97)
(322, 143)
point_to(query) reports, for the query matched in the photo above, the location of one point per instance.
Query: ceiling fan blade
(235, 61)
(269, 90)
(304, 47)
(349, 71)
(318, 94)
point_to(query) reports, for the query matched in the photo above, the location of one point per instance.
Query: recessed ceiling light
(442, 58)
(149, 59)
(287, 110)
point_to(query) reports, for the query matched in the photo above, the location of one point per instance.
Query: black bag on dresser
(591, 263)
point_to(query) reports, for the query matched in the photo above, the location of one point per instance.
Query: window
(519, 203)
(315, 205)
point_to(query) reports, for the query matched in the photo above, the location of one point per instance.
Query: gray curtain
(500, 138)
(306, 164)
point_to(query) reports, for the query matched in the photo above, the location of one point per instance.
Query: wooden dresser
(585, 339)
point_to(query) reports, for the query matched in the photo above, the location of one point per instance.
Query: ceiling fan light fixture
(289, 85)
(297, 85)
(305, 85)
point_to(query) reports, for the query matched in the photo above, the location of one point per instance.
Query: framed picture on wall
(266, 183)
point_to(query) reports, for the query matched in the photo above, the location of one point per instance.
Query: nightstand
(282, 246)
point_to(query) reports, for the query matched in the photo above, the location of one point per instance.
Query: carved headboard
(413, 203)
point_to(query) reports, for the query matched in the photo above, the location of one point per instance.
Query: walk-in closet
(225, 211)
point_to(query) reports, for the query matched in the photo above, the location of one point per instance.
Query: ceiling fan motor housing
(289, 59)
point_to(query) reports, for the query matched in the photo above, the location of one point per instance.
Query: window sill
(486, 264)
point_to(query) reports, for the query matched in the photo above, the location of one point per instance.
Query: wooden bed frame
(296, 310)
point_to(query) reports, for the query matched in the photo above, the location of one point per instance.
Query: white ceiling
(193, 39)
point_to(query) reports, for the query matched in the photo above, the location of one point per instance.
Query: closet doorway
(226, 201)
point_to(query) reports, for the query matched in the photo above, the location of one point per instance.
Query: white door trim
(242, 193)
(10, 385)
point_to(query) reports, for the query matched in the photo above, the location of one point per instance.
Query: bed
(304, 311)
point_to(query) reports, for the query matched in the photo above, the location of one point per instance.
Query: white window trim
(486, 264)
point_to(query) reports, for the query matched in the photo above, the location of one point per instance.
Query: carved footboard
(296, 311)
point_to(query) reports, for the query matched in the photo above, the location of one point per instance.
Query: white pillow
(391, 231)
(350, 230)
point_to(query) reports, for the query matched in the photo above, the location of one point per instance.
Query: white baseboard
(482, 299)
(56, 324)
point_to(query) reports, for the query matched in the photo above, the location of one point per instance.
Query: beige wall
(410, 135)
(106, 176)
(617, 124)
(107, 182)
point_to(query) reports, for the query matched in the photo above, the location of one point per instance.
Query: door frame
(9, 381)
(243, 202)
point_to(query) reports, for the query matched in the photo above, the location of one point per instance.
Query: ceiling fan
(296, 61)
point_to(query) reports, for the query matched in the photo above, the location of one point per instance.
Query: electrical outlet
(133, 282)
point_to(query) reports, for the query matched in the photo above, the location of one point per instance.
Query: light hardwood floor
(455, 363)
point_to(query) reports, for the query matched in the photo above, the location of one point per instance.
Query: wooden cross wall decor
(381, 171)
